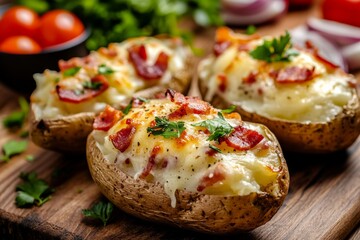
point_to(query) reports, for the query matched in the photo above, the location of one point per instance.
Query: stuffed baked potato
(65, 103)
(310, 104)
(180, 161)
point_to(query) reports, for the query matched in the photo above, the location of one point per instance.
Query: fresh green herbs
(30, 158)
(17, 118)
(101, 211)
(32, 191)
(127, 109)
(229, 110)
(275, 50)
(218, 127)
(250, 30)
(215, 148)
(105, 70)
(92, 85)
(166, 128)
(71, 71)
(12, 148)
(117, 20)
(143, 99)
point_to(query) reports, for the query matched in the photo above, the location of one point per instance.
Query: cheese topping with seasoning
(241, 162)
(305, 88)
(107, 76)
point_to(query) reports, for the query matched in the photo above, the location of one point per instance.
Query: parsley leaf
(103, 69)
(32, 191)
(17, 119)
(92, 85)
(250, 30)
(215, 148)
(101, 211)
(229, 109)
(166, 128)
(275, 50)
(71, 71)
(127, 109)
(143, 99)
(218, 127)
(12, 148)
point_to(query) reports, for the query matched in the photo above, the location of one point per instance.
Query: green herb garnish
(30, 158)
(92, 85)
(101, 211)
(71, 71)
(17, 118)
(143, 99)
(218, 127)
(215, 148)
(105, 70)
(12, 148)
(127, 109)
(250, 30)
(229, 109)
(32, 191)
(166, 128)
(275, 50)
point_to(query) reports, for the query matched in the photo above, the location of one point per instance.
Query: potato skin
(320, 137)
(69, 133)
(205, 213)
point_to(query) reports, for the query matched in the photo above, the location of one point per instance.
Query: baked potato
(65, 103)
(311, 105)
(179, 161)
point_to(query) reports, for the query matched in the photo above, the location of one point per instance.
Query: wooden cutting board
(323, 202)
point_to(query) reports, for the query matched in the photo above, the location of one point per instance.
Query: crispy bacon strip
(78, 96)
(151, 163)
(191, 105)
(222, 82)
(138, 57)
(294, 74)
(220, 47)
(107, 118)
(315, 51)
(122, 139)
(242, 138)
(218, 174)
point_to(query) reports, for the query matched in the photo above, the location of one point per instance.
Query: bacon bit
(191, 106)
(88, 61)
(242, 138)
(220, 47)
(71, 96)
(251, 78)
(315, 51)
(151, 163)
(122, 139)
(153, 123)
(138, 56)
(216, 175)
(260, 91)
(294, 74)
(222, 82)
(211, 152)
(352, 82)
(165, 163)
(176, 97)
(107, 118)
(127, 161)
(108, 52)
(129, 121)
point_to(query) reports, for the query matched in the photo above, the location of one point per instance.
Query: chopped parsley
(215, 148)
(17, 118)
(229, 109)
(105, 70)
(143, 99)
(12, 148)
(32, 191)
(166, 128)
(127, 109)
(92, 85)
(30, 158)
(101, 210)
(218, 127)
(71, 71)
(250, 30)
(275, 50)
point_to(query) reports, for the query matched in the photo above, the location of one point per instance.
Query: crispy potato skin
(69, 133)
(205, 213)
(320, 137)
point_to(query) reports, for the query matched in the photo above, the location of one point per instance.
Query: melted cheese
(317, 100)
(124, 82)
(187, 161)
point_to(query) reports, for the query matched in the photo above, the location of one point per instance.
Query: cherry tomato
(344, 11)
(20, 45)
(19, 20)
(59, 26)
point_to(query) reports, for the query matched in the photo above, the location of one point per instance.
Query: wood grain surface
(323, 201)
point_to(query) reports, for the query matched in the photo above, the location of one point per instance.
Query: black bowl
(17, 70)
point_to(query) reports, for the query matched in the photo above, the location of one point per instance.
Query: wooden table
(323, 202)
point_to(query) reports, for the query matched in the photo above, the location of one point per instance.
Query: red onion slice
(274, 9)
(352, 55)
(339, 33)
(327, 49)
(246, 7)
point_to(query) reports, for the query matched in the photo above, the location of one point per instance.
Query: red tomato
(59, 26)
(20, 45)
(19, 21)
(344, 11)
